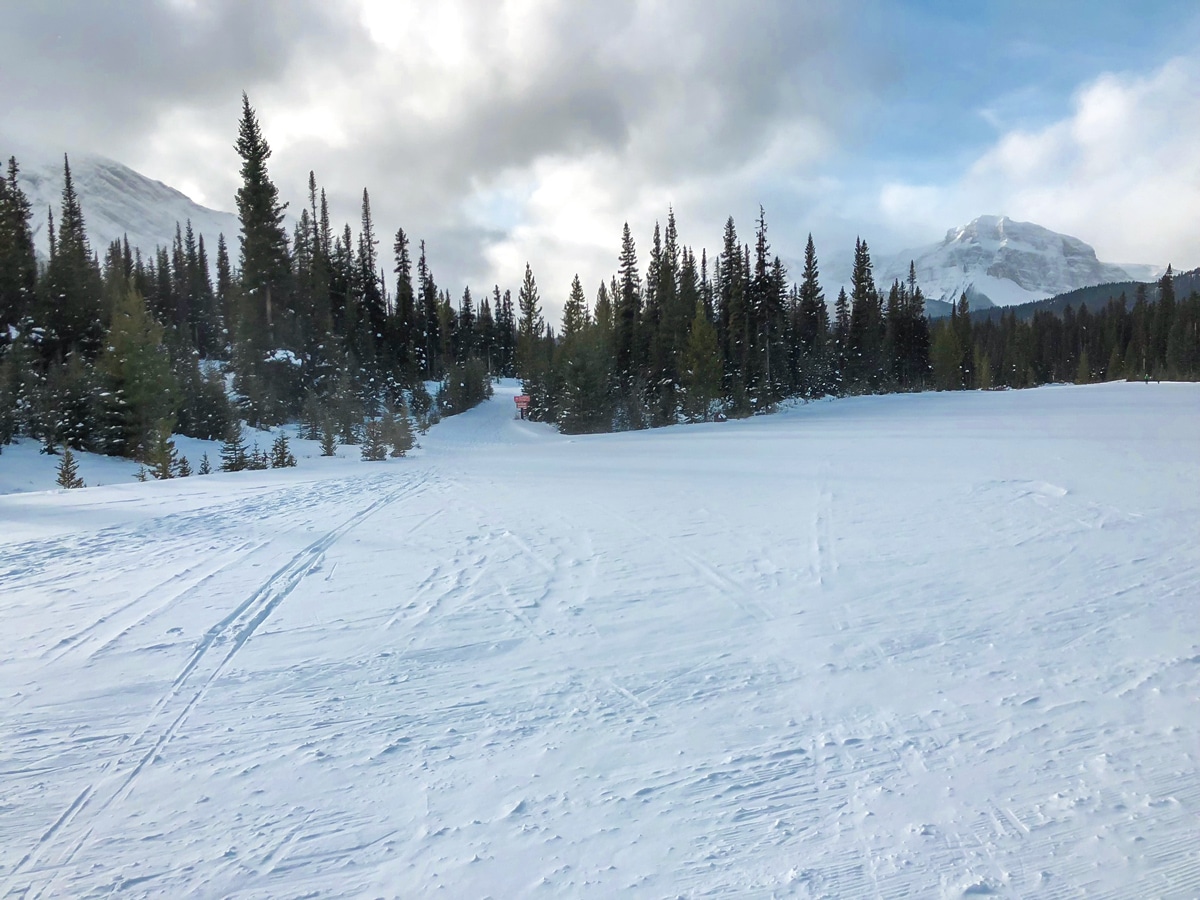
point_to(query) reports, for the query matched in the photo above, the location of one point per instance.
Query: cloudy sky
(506, 131)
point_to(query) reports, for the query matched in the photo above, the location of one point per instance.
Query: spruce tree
(224, 294)
(68, 471)
(398, 431)
(72, 288)
(206, 319)
(841, 334)
(812, 329)
(529, 327)
(258, 460)
(814, 318)
(281, 453)
(627, 312)
(427, 336)
(701, 370)
(142, 390)
(575, 313)
(264, 250)
(374, 445)
(865, 361)
(602, 312)
(18, 262)
(161, 457)
(734, 325)
(506, 337)
(486, 327)
(328, 440)
(372, 306)
(665, 323)
(465, 336)
(234, 456)
(404, 317)
(765, 326)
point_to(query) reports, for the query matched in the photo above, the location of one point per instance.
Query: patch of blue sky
(501, 206)
(956, 75)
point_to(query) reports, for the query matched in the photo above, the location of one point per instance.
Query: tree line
(1157, 337)
(694, 340)
(113, 354)
(684, 344)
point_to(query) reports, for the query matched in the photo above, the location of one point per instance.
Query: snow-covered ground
(928, 645)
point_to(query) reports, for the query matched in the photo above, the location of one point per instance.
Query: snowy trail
(937, 645)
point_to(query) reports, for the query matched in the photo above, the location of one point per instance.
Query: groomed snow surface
(929, 645)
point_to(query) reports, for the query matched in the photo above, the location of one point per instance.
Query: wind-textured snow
(924, 645)
(1004, 262)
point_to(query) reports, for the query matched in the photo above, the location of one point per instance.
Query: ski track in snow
(941, 645)
(203, 666)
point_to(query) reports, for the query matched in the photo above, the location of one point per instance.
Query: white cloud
(532, 129)
(1121, 172)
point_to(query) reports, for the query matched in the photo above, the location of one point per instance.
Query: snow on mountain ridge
(118, 202)
(1004, 262)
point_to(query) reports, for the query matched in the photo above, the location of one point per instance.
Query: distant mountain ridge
(1095, 298)
(119, 202)
(997, 261)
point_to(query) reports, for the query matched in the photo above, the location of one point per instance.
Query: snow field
(924, 645)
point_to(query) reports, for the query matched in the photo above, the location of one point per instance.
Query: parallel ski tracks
(90, 642)
(213, 653)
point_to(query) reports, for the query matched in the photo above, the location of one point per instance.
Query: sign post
(522, 401)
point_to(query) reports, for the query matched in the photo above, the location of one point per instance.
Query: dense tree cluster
(115, 353)
(106, 354)
(682, 344)
(1158, 337)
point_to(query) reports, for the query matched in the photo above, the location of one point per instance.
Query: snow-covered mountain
(117, 201)
(997, 261)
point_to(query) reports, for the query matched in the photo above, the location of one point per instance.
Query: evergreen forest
(112, 350)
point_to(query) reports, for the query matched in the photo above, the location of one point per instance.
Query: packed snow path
(932, 645)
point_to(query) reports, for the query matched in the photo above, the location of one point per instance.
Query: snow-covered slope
(118, 201)
(952, 652)
(997, 261)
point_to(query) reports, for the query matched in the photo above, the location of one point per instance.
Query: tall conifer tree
(575, 312)
(72, 289)
(264, 248)
(628, 310)
(18, 262)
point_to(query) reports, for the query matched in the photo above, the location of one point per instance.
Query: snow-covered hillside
(117, 201)
(997, 261)
(931, 645)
